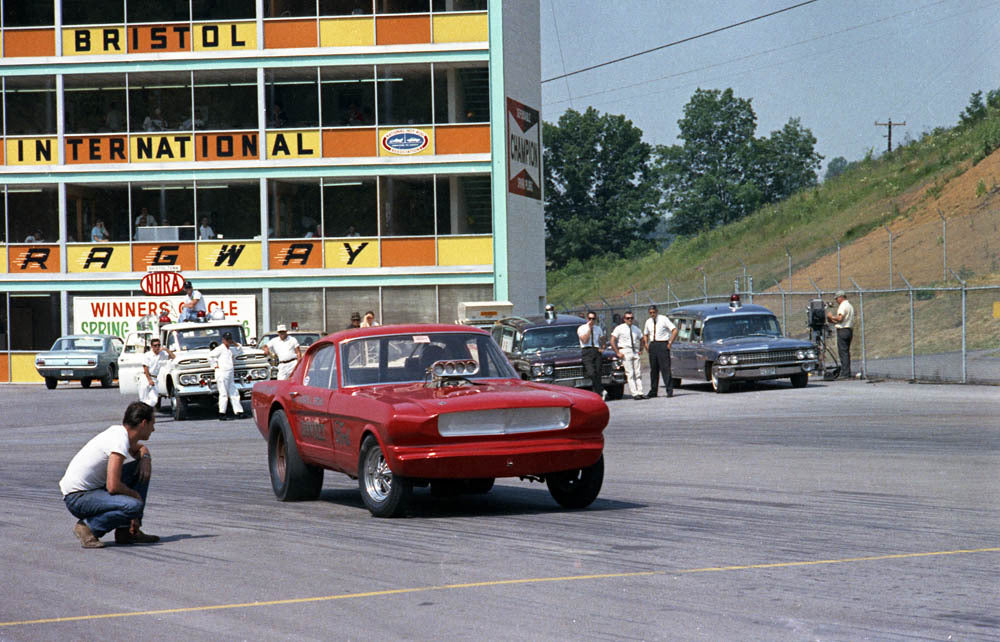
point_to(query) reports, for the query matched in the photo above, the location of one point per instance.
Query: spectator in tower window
(205, 231)
(98, 233)
(35, 237)
(154, 122)
(114, 120)
(276, 116)
(145, 219)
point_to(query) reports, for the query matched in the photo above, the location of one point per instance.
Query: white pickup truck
(189, 378)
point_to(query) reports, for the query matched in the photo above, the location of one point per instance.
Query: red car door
(308, 403)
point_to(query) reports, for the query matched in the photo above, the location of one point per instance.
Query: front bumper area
(771, 371)
(71, 372)
(478, 459)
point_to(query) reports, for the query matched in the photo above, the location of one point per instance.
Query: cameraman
(843, 321)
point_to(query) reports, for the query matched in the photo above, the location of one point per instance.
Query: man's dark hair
(136, 413)
(227, 335)
(653, 307)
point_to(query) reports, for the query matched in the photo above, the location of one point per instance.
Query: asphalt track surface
(841, 511)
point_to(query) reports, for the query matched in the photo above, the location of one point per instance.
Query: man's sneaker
(86, 536)
(124, 536)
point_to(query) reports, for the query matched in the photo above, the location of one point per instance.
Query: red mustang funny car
(398, 407)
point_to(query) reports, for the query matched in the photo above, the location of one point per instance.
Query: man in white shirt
(221, 358)
(106, 482)
(591, 344)
(205, 232)
(844, 323)
(626, 340)
(152, 361)
(192, 305)
(659, 334)
(286, 349)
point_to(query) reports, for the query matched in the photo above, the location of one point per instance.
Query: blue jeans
(188, 314)
(104, 512)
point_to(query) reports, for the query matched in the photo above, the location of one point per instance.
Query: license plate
(65, 373)
(767, 371)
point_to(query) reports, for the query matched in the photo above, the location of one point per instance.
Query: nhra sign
(404, 142)
(162, 283)
(524, 150)
(121, 315)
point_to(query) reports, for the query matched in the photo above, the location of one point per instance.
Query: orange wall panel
(462, 139)
(22, 259)
(290, 255)
(4, 368)
(165, 253)
(350, 142)
(29, 42)
(280, 34)
(404, 252)
(402, 30)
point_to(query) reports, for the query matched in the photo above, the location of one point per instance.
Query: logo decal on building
(404, 141)
(524, 150)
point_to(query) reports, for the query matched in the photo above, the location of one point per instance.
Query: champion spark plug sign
(524, 150)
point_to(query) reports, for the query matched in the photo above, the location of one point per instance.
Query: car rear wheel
(615, 392)
(178, 407)
(51, 383)
(291, 478)
(109, 378)
(721, 386)
(480, 486)
(577, 488)
(800, 380)
(385, 494)
(85, 382)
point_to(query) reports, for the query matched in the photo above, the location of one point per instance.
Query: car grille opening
(766, 357)
(502, 421)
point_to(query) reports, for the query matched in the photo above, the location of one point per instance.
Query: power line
(678, 42)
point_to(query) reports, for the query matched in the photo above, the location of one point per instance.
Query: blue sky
(838, 65)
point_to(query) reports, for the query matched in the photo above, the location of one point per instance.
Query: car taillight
(40, 362)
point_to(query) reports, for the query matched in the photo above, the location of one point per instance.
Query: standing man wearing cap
(286, 349)
(659, 333)
(221, 358)
(192, 305)
(843, 321)
(626, 340)
(355, 320)
(591, 344)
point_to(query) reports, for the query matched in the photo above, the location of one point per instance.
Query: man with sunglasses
(152, 361)
(626, 341)
(659, 334)
(591, 346)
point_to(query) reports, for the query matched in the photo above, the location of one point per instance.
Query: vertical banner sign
(524, 150)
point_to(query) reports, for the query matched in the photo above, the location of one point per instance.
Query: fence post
(913, 357)
(861, 308)
(704, 283)
(890, 254)
(751, 288)
(944, 243)
(965, 355)
(789, 255)
(784, 320)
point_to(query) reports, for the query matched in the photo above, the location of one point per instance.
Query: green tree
(601, 195)
(974, 111)
(787, 161)
(835, 168)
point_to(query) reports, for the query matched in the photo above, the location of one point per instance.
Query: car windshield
(197, 338)
(743, 325)
(79, 343)
(550, 338)
(404, 358)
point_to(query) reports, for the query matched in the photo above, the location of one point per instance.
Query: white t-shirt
(627, 337)
(846, 313)
(284, 350)
(154, 361)
(595, 336)
(660, 331)
(88, 470)
(222, 357)
(200, 305)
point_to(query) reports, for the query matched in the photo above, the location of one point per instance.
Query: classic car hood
(755, 344)
(562, 356)
(479, 396)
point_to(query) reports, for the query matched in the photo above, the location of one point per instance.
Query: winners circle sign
(162, 283)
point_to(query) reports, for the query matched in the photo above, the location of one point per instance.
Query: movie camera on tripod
(821, 334)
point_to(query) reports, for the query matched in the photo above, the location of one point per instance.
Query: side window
(696, 331)
(507, 341)
(322, 369)
(683, 329)
(497, 333)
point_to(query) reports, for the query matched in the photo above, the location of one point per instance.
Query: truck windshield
(748, 325)
(553, 338)
(198, 338)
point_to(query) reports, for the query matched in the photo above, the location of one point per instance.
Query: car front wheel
(85, 382)
(721, 386)
(385, 494)
(51, 383)
(615, 391)
(179, 407)
(577, 488)
(291, 478)
(800, 380)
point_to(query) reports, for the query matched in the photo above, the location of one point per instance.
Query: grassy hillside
(953, 173)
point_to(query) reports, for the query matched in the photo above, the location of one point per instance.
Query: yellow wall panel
(22, 369)
(347, 32)
(234, 255)
(83, 41)
(294, 144)
(461, 28)
(103, 258)
(31, 151)
(476, 250)
(3, 260)
(161, 148)
(225, 36)
(352, 253)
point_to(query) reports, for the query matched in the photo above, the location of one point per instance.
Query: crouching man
(106, 481)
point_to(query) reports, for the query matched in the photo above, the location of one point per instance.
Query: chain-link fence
(934, 334)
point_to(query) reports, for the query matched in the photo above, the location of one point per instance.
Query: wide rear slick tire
(384, 494)
(291, 478)
(577, 488)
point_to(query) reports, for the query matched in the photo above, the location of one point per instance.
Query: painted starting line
(468, 585)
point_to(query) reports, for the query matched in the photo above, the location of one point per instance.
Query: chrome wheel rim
(280, 458)
(378, 477)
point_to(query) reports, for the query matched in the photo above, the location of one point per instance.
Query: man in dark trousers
(591, 347)
(659, 334)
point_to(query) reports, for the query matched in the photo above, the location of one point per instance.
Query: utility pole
(890, 125)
